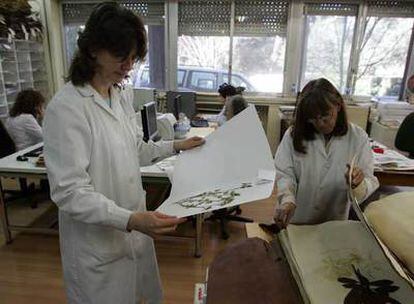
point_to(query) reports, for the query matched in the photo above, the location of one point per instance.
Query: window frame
(294, 53)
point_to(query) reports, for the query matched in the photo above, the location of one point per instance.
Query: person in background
(25, 118)
(234, 105)
(93, 152)
(225, 90)
(312, 160)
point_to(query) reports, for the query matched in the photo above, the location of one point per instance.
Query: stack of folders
(393, 111)
(341, 262)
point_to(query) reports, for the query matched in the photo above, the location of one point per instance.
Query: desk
(10, 167)
(389, 177)
(395, 178)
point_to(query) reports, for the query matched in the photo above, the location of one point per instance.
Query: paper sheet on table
(234, 166)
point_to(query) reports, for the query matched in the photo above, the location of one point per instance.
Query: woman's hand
(284, 213)
(188, 143)
(153, 223)
(357, 176)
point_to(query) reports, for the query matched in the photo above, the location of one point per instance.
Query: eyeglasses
(322, 118)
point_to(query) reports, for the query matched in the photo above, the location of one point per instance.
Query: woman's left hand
(188, 143)
(357, 176)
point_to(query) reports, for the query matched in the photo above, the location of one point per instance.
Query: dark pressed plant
(365, 292)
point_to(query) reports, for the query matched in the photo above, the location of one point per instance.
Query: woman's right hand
(283, 214)
(153, 223)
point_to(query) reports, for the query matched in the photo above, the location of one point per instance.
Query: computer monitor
(141, 96)
(149, 121)
(187, 104)
(177, 107)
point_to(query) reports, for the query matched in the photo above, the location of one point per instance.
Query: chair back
(7, 145)
(404, 140)
(187, 104)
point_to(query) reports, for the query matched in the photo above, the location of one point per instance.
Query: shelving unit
(22, 66)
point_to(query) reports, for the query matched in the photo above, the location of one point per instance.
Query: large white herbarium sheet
(233, 167)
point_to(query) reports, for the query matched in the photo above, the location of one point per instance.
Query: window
(203, 41)
(71, 38)
(75, 15)
(259, 41)
(383, 56)
(328, 40)
(261, 61)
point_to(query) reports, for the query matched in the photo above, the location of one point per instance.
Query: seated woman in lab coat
(312, 160)
(93, 153)
(226, 91)
(23, 125)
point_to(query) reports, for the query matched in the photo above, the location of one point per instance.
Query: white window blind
(391, 8)
(204, 18)
(333, 8)
(260, 18)
(152, 12)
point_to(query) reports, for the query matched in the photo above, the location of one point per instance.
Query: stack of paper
(392, 160)
(393, 111)
(325, 257)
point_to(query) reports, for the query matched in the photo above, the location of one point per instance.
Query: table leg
(199, 236)
(3, 217)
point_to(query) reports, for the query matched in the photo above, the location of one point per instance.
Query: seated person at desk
(25, 115)
(312, 160)
(225, 90)
(234, 105)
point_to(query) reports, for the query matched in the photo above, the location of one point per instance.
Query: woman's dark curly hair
(316, 99)
(110, 27)
(226, 90)
(27, 102)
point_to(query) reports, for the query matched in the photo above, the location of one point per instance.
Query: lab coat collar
(320, 145)
(88, 91)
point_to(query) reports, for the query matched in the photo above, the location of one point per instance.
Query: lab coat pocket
(106, 244)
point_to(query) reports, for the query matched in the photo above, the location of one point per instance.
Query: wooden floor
(30, 269)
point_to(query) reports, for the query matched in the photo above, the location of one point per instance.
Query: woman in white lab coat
(312, 160)
(93, 153)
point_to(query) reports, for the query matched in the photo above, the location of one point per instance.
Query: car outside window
(205, 81)
(180, 78)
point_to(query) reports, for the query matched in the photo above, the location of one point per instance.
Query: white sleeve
(67, 146)
(220, 118)
(365, 161)
(152, 152)
(33, 129)
(285, 172)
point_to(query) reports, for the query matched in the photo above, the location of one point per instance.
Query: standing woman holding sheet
(93, 153)
(312, 160)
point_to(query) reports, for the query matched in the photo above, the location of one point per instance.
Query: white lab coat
(24, 130)
(315, 181)
(93, 155)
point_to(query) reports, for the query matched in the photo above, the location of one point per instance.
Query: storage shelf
(21, 67)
